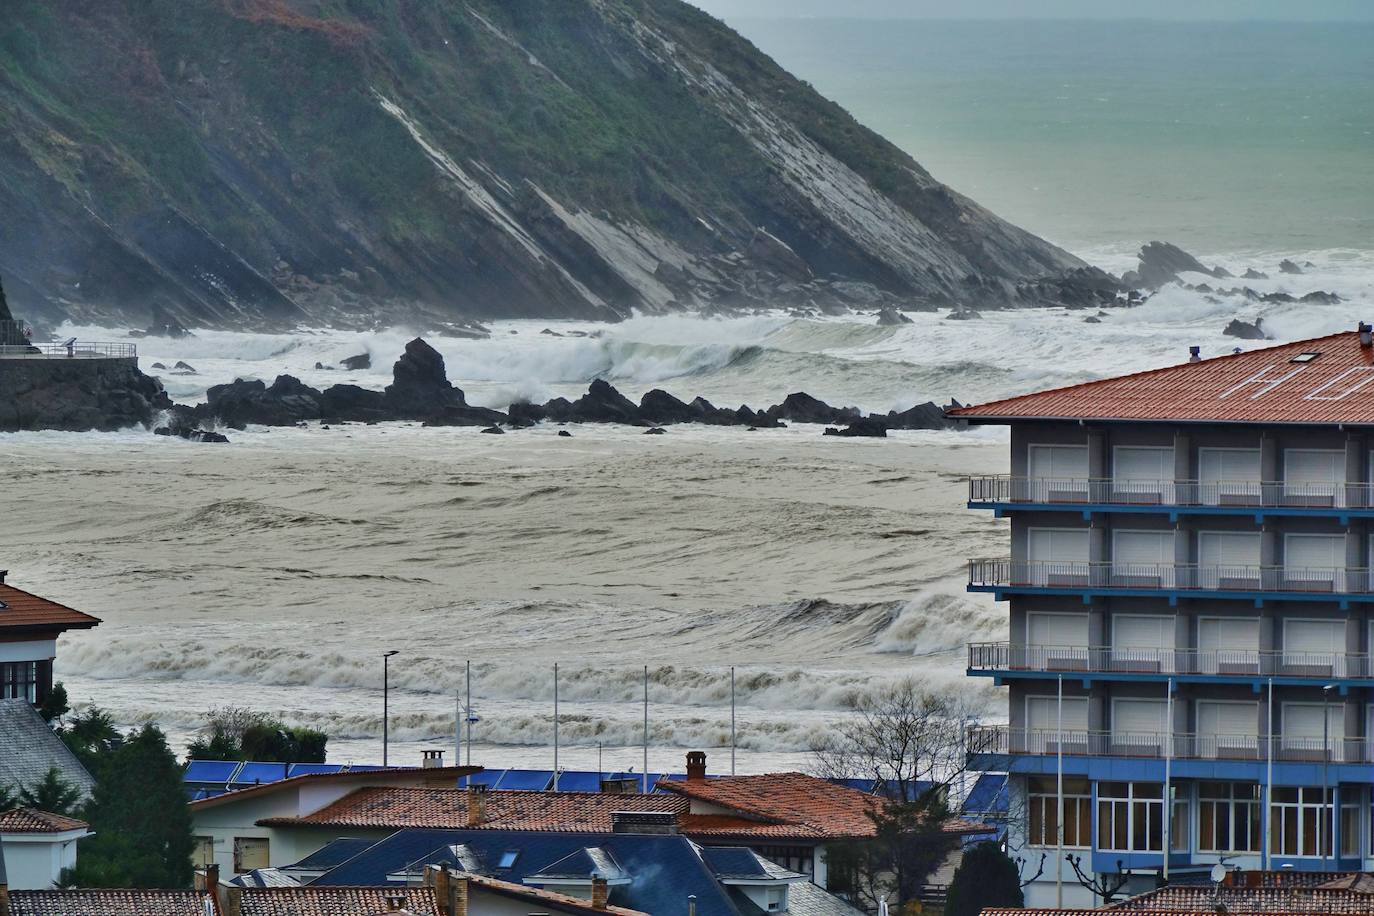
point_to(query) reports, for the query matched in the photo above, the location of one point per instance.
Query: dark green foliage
(9, 798)
(909, 845)
(987, 877)
(140, 817)
(52, 793)
(54, 705)
(92, 737)
(5, 314)
(233, 733)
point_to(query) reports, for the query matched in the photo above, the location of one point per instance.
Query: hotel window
(1228, 817)
(1301, 821)
(1130, 816)
(250, 852)
(1350, 829)
(203, 853)
(19, 680)
(1042, 821)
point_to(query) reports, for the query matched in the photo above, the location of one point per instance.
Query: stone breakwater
(77, 394)
(420, 391)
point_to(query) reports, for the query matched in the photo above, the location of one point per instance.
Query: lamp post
(1328, 840)
(386, 701)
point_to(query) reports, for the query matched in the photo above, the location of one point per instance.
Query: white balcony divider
(1315, 494)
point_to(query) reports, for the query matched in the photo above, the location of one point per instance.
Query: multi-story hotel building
(1191, 618)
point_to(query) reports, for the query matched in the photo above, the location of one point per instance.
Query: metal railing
(1005, 656)
(1003, 739)
(1129, 492)
(993, 573)
(81, 349)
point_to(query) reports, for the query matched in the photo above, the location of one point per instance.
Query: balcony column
(1183, 466)
(1354, 555)
(1269, 458)
(1185, 661)
(1269, 545)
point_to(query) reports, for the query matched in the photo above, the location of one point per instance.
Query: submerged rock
(870, 427)
(1245, 330)
(889, 318)
(1162, 262)
(1288, 267)
(355, 363)
(1252, 274)
(191, 434)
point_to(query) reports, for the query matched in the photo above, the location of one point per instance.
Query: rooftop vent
(1366, 334)
(1305, 357)
(652, 822)
(432, 760)
(1194, 354)
(3, 574)
(395, 901)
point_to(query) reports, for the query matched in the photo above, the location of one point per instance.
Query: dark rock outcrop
(800, 407)
(1252, 274)
(420, 387)
(1245, 330)
(78, 395)
(658, 406)
(1321, 297)
(891, 318)
(1161, 263)
(191, 433)
(1288, 267)
(355, 363)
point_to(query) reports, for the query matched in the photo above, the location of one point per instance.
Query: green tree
(9, 798)
(54, 705)
(141, 821)
(908, 844)
(92, 738)
(51, 793)
(235, 733)
(987, 877)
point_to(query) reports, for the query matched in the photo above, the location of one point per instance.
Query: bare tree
(910, 742)
(1104, 884)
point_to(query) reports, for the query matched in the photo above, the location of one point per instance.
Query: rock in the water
(603, 404)
(870, 427)
(286, 402)
(658, 406)
(1161, 263)
(1288, 267)
(563, 433)
(349, 402)
(1245, 330)
(355, 363)
(158, 366)
(655, 431)
(922, 416)
(494, 431)
(1252, 274)
(801, 407)
(963, 314)
(467, 416)
(1321, 297)
(420, 387)
(77, 395)
(185, 368)
(191, 434)
(889, 318)
(1092, 319)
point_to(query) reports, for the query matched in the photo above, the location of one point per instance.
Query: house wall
(34, 863)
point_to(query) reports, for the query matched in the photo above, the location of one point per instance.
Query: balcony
(1175, 497)
(1003, 739)
(1204, 664)
(1307, 583)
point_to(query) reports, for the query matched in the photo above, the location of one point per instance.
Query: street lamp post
(1328, 799)
(386, 701)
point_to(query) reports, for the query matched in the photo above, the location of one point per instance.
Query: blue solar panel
(210, 770)
(484, 778)
(365, 767)
(532, 780)
(988, 795)
(579, 781)
(253, 773)
(306, 769)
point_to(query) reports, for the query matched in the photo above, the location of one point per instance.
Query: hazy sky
(1051, 9)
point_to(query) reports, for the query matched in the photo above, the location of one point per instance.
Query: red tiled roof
(395, 808)
(778, 804)
(108, 903)
(1258, 386)
(31, 820)
(332, 901)
(414, 775)
(22, 612)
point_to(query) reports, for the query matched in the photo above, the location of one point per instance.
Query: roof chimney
(432, 760)
(1194, 354)
(601, 892)
(1366, 341)
(395, 901)
(654, 823)
(3, 574)
(477, 805)
(696, 765)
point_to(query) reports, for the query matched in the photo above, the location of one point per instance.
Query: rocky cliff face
(249, 162)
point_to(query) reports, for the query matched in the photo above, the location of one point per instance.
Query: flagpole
(644, 777)
(1168, 766)
(1269, 777)
(1059, 801)
(732, 720)
(468, 720)
(555, 726)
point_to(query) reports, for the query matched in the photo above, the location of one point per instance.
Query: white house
(36, 846)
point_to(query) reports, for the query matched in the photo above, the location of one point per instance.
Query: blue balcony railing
(1325, 666)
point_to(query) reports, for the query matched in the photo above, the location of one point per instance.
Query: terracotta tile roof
(333, 901)
(31, 820)
(107, 903)
(1258, 386)
(778, 804)
(1274, 897)
(22, 612)
(395, 808)
(416, 776)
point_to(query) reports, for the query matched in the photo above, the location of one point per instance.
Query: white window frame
(1338, 485)
(1249, 741)
(1148, 748)
(1045, 488)
(1242, 488)
(1249, 658)
(1167, 568)
(1290, 657)
(1048, 657)
(1041, 575)
(1074, 803)
(1165, 490)
(1279, 810)
(1254, 808)
(1130, 802)
(1335, 720)
(1336, 576)
(1212, 576)
(1128, 654)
